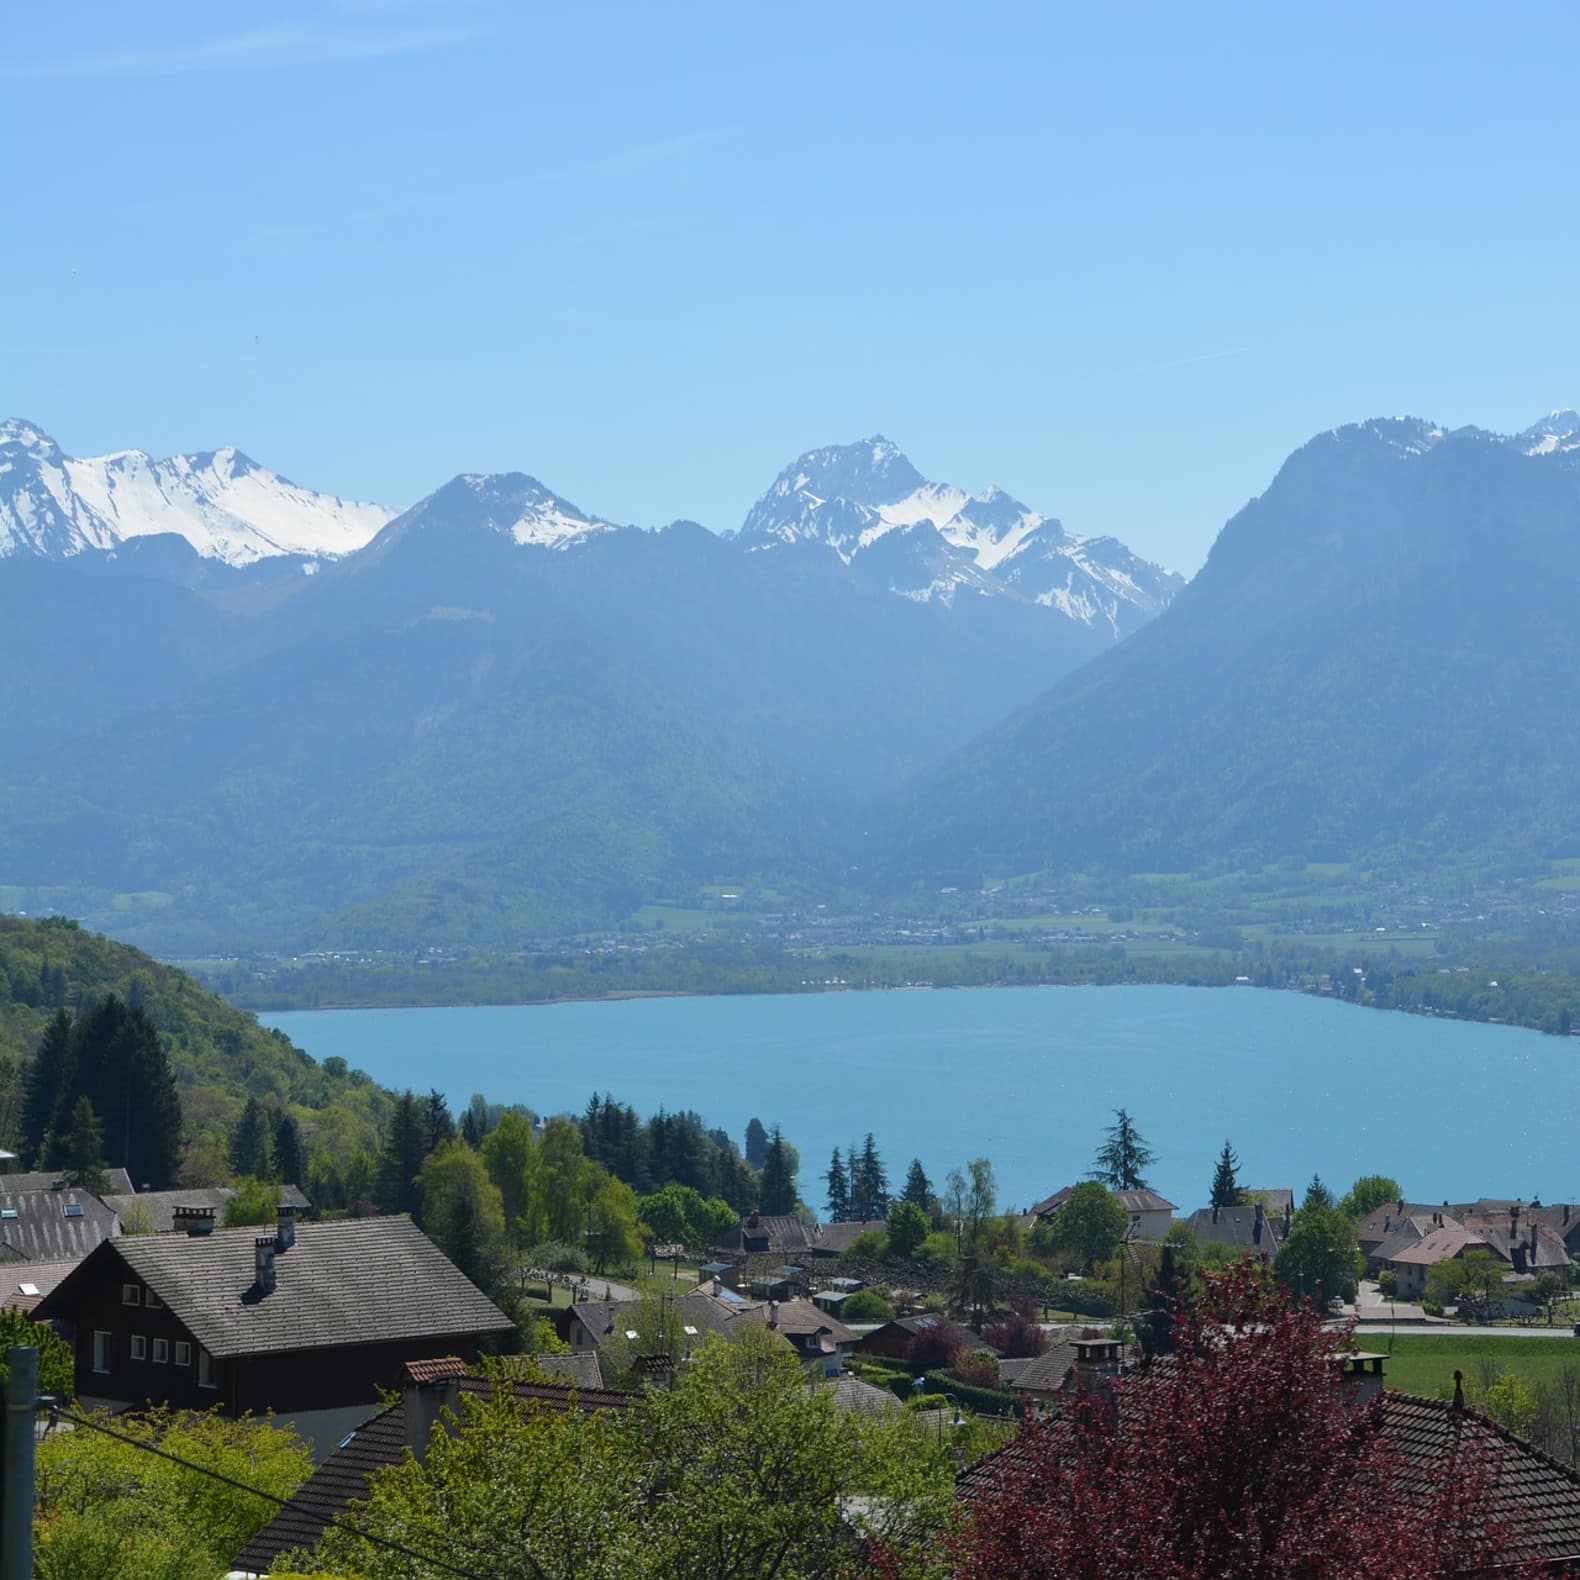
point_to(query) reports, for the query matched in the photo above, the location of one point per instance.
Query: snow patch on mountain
(858, 499)
(226, 506)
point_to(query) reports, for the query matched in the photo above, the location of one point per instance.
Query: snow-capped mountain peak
(225, 505)
(939, 541)
(1556, 434)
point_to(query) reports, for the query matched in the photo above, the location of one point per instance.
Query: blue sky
(1118, 259)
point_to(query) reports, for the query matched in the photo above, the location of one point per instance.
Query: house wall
(1153, 1225)
(888, 1340)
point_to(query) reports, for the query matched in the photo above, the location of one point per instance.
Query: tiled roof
(1274, 1198)
(707, 1313)
(1236, 1227)
(835, 1239)
(356, 1281)
(382, 1441)
(39, 1276)
(1537, 1497)
(1438, 1246)
(783, 1232)
(52, 1225)
(161, 1204)
(1377, 1226)
(928, 1322)
(437, 1368)
(857, 1394)
(1142, 1201)
(49, 1179)
(801, 1316)
(1044, 1374)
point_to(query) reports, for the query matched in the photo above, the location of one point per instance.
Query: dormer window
(152, 1301)
(131, 1294)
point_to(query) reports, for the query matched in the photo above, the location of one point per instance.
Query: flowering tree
(1241, 1457)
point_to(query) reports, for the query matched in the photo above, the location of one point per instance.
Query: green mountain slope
(1380, 660)
(220, 1055)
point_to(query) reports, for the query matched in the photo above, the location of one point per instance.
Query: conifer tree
(777, 1185)
(436, 1116)
(396, 1188)
(50, 1076)
(1225, 1185)
(290, 1166)
(838, 1189)
(918, 1188)
(1317, 1194)
(249, 1149)
(756, 1143)
(80, 1151)
(1123, 1155)
(869, 1184)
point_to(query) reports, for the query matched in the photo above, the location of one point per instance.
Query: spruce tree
(918, 1188)
(436, 1116)
(776, 1188)
(290, 1166)
(1317, 1194)
(401, 1161)
(838, 1189)
(1225, 1186)
(80, 1151)
(249, 1148)
(756, 1143)
(869, 1184)
(50, 1076)
(152, 1154)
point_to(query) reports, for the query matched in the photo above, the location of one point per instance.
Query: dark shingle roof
(161, 1204)
(856, 1394)
(1536, 1497)
(1236, 1227)
(1044, 1374)
(380, 1442)
(43, 1230)
(42, 1276)
(769, 1234)
(835, 1239)
(49, 1179)
(358, 1281)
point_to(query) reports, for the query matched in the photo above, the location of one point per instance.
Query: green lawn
(1424, 1363)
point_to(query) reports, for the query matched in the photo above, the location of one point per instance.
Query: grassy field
(1424, 1363)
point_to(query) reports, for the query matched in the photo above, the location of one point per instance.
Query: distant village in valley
(460, 1309)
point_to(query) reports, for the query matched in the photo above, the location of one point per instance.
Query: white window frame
(183, 1353)
(131, 1294)
(101, 1352)
(206, 1377)
(139, 1349)
(161, 1352)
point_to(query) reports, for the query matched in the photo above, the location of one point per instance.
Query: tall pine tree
(249, 1147)
(51, 1076)
(1225, 1185)
(838, 1189)
(869, 1183)
(918, 1188)
(776, 1189)
(80, 1151)
(290, 1165)
(400, 1162)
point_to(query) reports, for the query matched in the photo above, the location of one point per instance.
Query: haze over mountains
(242, 714)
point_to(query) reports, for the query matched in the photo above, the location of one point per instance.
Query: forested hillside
(220, 1056)
(1380, 661)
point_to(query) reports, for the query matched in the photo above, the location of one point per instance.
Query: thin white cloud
(286, 44)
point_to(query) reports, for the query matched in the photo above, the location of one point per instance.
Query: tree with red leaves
(935, 1347)
(1017, 1335)
(1242, 1456)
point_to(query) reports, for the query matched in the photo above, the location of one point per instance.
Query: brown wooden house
(308, 1322)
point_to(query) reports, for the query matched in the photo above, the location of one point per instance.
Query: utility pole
(16, 1511)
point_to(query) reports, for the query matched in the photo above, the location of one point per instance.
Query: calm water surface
(1027, 1077)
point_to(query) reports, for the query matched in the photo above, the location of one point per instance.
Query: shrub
(866, 1305)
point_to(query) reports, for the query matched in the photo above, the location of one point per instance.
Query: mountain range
(241, 714)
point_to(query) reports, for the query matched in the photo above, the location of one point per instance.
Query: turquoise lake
(1028, 1077)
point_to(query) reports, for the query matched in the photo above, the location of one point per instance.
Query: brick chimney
(263, 1263)
(429, 1389)
(285, 1227)
(196, 1221)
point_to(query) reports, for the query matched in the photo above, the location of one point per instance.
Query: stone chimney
(263, 1262)
(285, 1227)
(429, 1389)
(196, 1221)
(1097, 1363)
(1362, 1374)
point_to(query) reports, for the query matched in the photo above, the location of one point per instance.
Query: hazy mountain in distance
(219, 504)
(934, 541)
(1380, 659)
